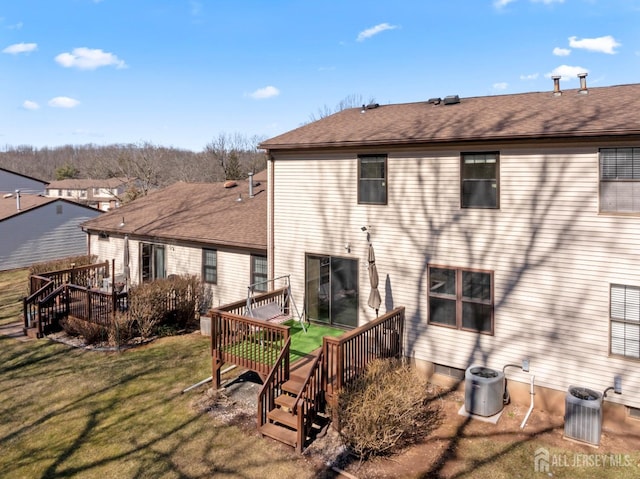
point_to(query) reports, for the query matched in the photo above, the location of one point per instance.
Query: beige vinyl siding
(234, 266)
(552, 254)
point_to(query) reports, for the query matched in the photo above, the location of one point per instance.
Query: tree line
(226, 157)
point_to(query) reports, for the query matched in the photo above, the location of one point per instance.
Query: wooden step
(283, 417)
(31, 332)
(293, 386)
(285, 401)
(280, 433)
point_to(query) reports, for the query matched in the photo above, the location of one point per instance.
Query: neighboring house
(206, 229)
(10, 181)
(34, 229)
(507, 225)
(104, 194)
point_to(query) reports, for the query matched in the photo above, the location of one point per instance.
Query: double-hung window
(620, 180)
(479, 180)
(210, 266)
(461, 299)
(372, 179)
(624, 312)
(259, 272)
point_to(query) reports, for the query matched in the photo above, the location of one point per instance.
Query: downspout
(524, 421)
(270, 215)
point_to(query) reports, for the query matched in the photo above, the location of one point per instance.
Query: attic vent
(371, 106)
(230, 184)
(434, 101)
(8, 195)
(451, 99)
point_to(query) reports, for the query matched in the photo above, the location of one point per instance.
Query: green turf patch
(303, 343)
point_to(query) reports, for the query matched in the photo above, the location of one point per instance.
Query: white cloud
(63, 102)
(500, 86)
(266, 92)
(530, 76)
(604, 44)
(561, 52)
(30, 105)
(502, 3)
(89, 59)
(17, 26)
(369, 32)
(20, 48)
(567, 72)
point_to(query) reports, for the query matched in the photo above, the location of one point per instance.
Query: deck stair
(296, 402)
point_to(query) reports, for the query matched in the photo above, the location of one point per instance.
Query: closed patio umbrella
(374, 295)
(125, 260)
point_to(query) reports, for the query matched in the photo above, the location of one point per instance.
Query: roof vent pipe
(556, 85)
(251, 185)
(18, 199)
(583, 83)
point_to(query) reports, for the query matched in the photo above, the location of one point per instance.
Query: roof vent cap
(451, 100)
(434, 101)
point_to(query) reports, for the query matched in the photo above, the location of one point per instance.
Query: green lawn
(13, 287)
(74, 413)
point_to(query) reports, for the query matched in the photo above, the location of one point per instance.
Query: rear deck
(294, 395)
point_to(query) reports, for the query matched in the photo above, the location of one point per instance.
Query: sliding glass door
(332, 290)
(152, 262)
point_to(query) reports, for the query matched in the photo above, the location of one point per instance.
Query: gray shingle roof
(608, 111)
(200, 212)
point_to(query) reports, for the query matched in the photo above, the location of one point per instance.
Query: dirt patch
(440, 455)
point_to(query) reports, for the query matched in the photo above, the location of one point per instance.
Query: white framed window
(624, 315)
(479, 180)
(210, 266)
(372, 179)
(620, 180)
(461, 298)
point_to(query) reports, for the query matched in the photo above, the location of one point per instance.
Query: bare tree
(350, 101)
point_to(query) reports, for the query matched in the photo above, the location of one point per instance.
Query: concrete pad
(492, 419)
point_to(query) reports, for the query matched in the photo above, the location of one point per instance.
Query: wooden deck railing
(346, 357)
(310, 401)
(89, 275)
(250, 343)
(43, 308)
(271, 387)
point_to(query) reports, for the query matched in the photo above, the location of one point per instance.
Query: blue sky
(181, 72)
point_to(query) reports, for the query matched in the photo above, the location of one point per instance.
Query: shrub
(61, 264)
(121, 329)
(92, 333)
(147, 306)
(385, 409)
(170, 302)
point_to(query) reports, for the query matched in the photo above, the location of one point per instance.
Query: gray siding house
(10, 181)
(508, 226)
(35, 229)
